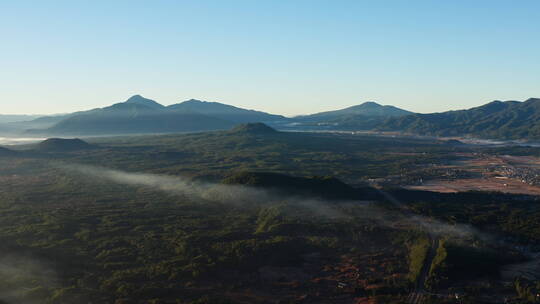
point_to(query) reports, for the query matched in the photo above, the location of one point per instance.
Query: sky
(284, 56)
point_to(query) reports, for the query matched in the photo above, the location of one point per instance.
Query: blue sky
(287, 57)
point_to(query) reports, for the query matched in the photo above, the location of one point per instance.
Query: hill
(63, 145)
(317, 186)
(497, 120)
(225, 112)
(367, 109)
(137, 115)
(253, 128)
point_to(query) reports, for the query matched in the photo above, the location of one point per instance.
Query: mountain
(138, 100)
(137, 115)
(16, 124)
(7, 129)
(496, 120)
(225, 112)
(17, 118)
(43, 122)
(367, 109)
(63, 145)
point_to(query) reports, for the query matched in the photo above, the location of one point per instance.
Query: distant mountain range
(139, 115)
(364, 116)
(497, 120)
(13, 123)
(17, 118)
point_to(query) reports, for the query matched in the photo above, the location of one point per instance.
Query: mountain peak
(135, 97)
(192, 100)
(371, 103)
(369, 106)
(138, 99)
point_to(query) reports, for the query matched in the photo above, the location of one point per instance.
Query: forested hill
(63, 145)
(324, 187)
(497, 120)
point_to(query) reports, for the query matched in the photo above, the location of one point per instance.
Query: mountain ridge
(139, 115)
(225, 111)
(497, 120)
(136, 115)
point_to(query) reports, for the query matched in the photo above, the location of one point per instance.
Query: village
(474, 172)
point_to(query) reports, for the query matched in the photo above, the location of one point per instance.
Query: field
(484, 172)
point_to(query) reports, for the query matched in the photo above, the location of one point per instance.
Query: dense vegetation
(512, 215)
(63, 145)
(418, 251)
(503, 120)
(73, 239)
(353, 159)
(211, 218)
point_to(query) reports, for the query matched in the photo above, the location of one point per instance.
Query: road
(419, 293)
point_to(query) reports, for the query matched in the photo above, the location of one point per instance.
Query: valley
(253, 215)
(269, 152)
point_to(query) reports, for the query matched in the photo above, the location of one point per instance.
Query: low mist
(238, 195)
(24, 280)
